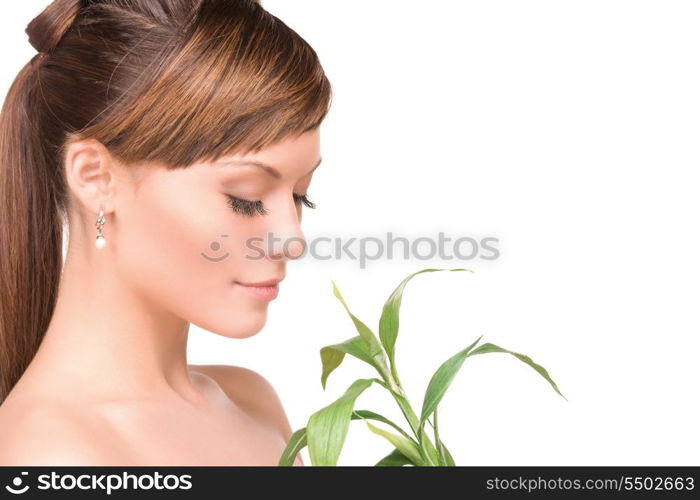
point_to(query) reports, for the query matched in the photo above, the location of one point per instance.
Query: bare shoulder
(48, 434)
(252, 392)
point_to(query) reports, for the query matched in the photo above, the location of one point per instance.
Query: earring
(100, 241)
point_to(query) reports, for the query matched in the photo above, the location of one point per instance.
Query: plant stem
(435, 426)
(394, 373)
(392, 383)
(437, 436)
(426, 446)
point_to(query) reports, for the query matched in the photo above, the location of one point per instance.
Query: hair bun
(47, 29)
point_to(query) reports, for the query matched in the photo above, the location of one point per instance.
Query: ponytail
(31, 232)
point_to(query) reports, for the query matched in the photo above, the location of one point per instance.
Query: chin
(236, 332)
(237, 325)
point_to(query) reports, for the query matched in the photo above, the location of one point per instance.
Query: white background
(568, 130)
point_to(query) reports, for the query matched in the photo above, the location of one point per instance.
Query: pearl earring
(100, 241)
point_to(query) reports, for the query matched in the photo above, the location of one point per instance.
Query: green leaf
(429, 450)
(407, 447)
(367, 334)
(332, 355)
(296, 443)
(394, 459)
(488, 347)
(374, 348)
(443, 376)
(375, 416)
(441, 380)
(389, 321)
(445, 454)
(328, 427)
(405, 407)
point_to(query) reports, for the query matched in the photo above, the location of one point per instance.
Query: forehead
(294, 149)
(291, 156)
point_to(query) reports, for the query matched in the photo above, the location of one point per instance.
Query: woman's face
(183, 239)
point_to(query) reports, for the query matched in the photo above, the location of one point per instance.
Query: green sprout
(327, 428)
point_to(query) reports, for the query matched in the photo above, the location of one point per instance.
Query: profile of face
(183, 239)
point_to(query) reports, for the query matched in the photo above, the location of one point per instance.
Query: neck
(106, 340)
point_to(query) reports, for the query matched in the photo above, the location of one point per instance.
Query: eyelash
(253, 208)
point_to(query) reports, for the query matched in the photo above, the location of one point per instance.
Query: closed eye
(302, 198)
(250, 208)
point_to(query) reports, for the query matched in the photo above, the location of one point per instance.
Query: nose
(287, 247)
(286, 241)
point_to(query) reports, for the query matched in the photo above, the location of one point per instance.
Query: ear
(90, 174)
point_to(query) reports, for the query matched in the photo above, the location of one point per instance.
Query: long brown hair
(172, 81)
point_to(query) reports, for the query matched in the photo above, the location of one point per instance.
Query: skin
(110, 383)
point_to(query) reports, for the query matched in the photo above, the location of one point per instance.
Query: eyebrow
(255, 163)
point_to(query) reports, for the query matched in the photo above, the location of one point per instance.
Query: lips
(271, 282)
(266, 291)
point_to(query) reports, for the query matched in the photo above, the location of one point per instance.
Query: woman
(177, 140)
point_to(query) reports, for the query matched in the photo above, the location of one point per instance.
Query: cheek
(182, 251)
(246, 247)
(160, 243)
